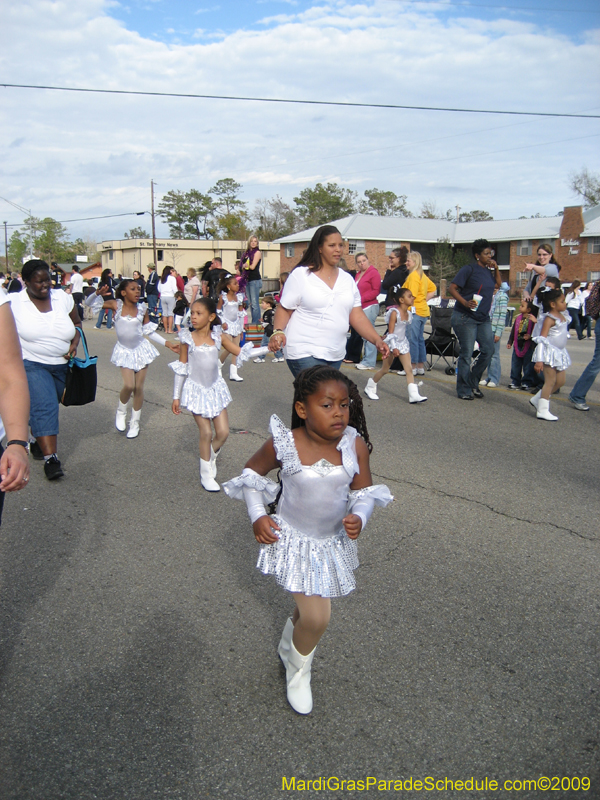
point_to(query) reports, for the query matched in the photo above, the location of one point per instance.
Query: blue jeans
(468, 331)
(265, 341)
(109, 316)
(46, 386)
(495, 369)
(253, 293)
(519, 365)
(588, 376)
(152, 301)
(416, 339)
(370, 354)
(296, 365)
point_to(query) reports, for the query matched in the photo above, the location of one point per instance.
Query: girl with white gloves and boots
(398, 317)
(230, 308)
(550, 354)
(199, 386)
(325, 500)
(132, 353)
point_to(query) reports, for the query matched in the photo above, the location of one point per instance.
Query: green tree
(136, 233)
(173, 209)
(384, 204)
(225, 196)
(473, 216)
(446, 261)
(17, 248)
(234, 225)
(429, 210)
(274, 218)
(51, 240)
(587, 185)
(324, 204)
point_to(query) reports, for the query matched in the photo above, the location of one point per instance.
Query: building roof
(365, 227)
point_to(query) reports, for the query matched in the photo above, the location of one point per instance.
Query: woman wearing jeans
(368, 281)
(423, 290)
(251, 269)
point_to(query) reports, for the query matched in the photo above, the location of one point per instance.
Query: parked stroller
(442, 343)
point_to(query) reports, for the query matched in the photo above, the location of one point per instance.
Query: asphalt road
(138, 642)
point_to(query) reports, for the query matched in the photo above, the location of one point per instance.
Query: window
(160, 255)
(522, 280)
(594, 276)
(389, 246)
(524, 247)
(355, 246)
(503, 253)
(289, 251)
(111, 255)
(594, 246)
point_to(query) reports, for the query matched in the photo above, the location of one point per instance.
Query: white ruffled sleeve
(248, 351)
(251, 480)
(362, 501)
(285, 446)
(179, 368)
(392, 341)
(149, 328)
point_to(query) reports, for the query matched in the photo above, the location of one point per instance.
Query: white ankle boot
(285, 642)
(206, 478)
(134, 424)
(413, 394)
(543, 410)
(371, 389)
(233, 373)
(121, 418)
(297, 670)
(535, 399)
(213, 461)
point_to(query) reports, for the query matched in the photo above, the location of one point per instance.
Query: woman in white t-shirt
(575, 300)
(167, 287)
(318, 304)
(45, 320)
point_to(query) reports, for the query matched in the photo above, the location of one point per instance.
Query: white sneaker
(277, 360)
(363, 366)
(261, 360)
(414, 372)
(420, 371)
(492, 385)
(483, 382)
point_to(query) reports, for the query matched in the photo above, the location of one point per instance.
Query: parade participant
(550, 354)
(199, 386)
(324, 502)
(398, 317)
(230, 309)
(318, 304)
(132, 353)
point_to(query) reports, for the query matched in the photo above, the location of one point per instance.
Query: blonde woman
(423, 290)
(250, 263)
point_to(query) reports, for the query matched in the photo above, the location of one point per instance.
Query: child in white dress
(551, 355)
(325, 500)
(132, 352)
(230, 309)
(199, 386)
(397, 317)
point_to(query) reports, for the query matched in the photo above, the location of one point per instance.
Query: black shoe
(515, 386)
(53, 469)
(36, 451)
(477, 393)
(465, 396)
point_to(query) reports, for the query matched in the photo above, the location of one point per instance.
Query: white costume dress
(313, 554)
(397, 340)
(204, 392)
(231, 314)
(132, 351)
(552, 349)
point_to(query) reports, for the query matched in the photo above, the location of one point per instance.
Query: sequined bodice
(129, 329)
(557, 335)
(230, 309)
(203, 360)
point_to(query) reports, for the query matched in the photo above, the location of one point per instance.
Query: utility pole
(153, 228)
(457, 213)
(6, 248)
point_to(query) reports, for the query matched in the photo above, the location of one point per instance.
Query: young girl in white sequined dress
(551, 354)
(325, 500)
(230, 309)
(397, 317)
(199, 386)
(132, 352)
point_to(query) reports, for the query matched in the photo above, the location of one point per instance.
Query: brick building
(574, 236)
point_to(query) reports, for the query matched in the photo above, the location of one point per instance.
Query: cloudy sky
(70, 155)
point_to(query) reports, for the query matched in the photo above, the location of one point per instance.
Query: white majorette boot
(535, 399)
(286, 639)
(297, 671)
(121, 418)
(206, 478)
(543, 410)
(233, 373)
(213, 462)
(413, 394)
(134, 424)
(371, 389)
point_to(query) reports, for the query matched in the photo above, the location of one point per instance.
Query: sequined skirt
(234, 328)
(310, 566)
(396, 343)
(205, 402)
(137, 359)
(552, 356)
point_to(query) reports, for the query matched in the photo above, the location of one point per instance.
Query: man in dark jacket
(396, 273)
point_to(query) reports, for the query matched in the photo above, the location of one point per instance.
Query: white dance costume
(231, 314)
(132, 351)
(398, 340)
(313, 554)
(552, 349)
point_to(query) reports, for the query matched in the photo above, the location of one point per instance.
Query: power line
(85, 219)
(502, 7)
(338, 103)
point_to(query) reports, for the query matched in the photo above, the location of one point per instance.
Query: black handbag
(80, 386)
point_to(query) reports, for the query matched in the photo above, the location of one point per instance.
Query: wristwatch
(19, 441)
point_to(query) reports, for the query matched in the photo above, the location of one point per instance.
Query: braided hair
(307, 383)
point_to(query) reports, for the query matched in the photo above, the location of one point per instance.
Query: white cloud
(97, 153)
